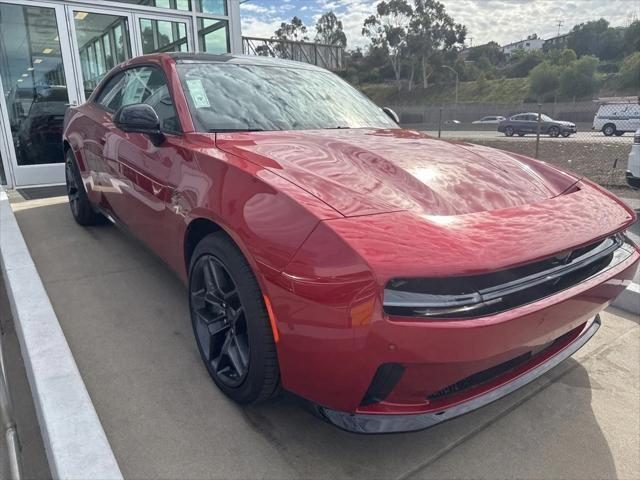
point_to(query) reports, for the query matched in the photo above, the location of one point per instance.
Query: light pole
(456, 72)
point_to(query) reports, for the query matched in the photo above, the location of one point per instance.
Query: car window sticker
(198, 95)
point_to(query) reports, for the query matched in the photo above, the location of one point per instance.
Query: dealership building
(53, 54)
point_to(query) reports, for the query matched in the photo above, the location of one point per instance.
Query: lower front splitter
(384, 423)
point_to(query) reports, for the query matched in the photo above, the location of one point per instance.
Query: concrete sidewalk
(126, 320)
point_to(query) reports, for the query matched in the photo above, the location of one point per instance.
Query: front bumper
(632, 180)
(380, 423)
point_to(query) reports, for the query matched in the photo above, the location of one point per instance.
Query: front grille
(481, 295)
(480, 378)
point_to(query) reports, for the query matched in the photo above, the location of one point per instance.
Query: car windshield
(232, 97)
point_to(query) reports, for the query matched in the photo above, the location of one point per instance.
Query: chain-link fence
(590, 138)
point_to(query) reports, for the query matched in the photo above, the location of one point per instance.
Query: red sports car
(392, 279)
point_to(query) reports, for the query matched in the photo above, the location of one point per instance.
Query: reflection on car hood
(363, 172)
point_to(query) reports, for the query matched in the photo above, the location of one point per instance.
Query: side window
(111, 95)
(148, 85)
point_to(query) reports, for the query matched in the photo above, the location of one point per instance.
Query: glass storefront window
(213, 35)
(216, 7)
(163, 36)
(35, 87)
(174, 4)
(102, 39)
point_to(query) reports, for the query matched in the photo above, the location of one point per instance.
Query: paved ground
(125, 317)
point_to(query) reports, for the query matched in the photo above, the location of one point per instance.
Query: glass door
(102, 39)
(105, 37)
(37, 85)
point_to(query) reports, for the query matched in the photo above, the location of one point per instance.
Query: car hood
(363, 172)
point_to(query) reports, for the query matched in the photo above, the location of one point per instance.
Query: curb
(74, 440)
(629, 299)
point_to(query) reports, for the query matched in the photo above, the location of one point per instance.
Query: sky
(504, 21)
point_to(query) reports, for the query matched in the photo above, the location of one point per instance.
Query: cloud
(504, 21)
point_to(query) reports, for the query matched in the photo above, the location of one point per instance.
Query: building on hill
(529, 44)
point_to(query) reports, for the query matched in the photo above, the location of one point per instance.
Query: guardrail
(322, 55)
(9, 426)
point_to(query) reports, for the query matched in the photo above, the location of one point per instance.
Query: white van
(633, 168)
(618, 118)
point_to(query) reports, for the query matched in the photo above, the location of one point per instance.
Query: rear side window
(110, 96)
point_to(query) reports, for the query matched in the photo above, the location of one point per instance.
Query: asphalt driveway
(125, 318)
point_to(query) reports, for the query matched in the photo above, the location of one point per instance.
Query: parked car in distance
(526, 123)
(617, 119)
(489, 120)
(633, 167)
(392, 279)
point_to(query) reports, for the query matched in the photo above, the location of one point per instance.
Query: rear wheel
(609, 129)
(508, 131)
(554, 132)
(230, 322)
(79, 203)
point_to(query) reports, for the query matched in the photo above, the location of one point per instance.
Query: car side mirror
(139, 118)
(391, 114)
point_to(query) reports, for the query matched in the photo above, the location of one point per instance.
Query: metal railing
(326, 56)
(9, 427)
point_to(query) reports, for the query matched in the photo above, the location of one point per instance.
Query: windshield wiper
(230, 130)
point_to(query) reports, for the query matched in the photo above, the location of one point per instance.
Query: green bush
(630, 72)
(544, 80)
(578, 79)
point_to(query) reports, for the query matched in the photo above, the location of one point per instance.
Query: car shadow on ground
(126, 319)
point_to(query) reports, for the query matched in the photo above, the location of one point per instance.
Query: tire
(554, 132)
(521, 134)
(609, 129)
(619, 133)
(230, 322)
(566, 134)
(508, 131)
(81, 208)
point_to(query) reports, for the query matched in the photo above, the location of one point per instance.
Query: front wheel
(508, 131)
(230, 322)
(554, 132)
(79, 203)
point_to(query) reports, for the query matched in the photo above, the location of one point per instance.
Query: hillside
(506, 90)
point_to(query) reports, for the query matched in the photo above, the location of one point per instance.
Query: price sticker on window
(198, 95)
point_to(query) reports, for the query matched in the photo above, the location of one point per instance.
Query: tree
(544, 80)
(329, 30)
(491, 51)
(632, 37)
(523, 63)
(295, 31)
(630, 72)
(578, 79)
(432, 30)
(388, 30)
(584, 38)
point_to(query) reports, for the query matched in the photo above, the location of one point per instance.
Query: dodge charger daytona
(392, 279)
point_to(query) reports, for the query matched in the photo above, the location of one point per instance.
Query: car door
(145, 173)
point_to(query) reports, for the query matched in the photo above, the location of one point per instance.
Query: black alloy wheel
(554, 132)
(230, 321)
(81, 208)
(220, 321)
(508, 131)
